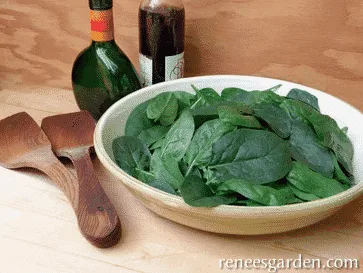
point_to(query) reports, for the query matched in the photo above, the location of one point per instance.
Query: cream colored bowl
(230, 219)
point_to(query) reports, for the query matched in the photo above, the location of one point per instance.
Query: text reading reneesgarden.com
(274, 265)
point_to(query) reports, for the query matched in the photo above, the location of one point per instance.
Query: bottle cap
(100, 4)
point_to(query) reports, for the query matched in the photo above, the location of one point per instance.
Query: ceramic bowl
(231, 219)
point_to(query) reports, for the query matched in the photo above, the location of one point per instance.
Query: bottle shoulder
(102, 62)
(109, 54)
(155, 4)
(86, 55)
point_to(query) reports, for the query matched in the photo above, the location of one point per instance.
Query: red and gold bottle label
(102, 25)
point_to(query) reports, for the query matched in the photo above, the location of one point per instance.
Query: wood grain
(24, 144)
(71, 136)
(316, 43)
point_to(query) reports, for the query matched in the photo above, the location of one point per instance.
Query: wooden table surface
(316, 43)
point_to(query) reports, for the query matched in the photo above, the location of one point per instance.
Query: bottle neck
(102, 25)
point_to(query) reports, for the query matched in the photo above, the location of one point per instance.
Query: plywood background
(315, 42)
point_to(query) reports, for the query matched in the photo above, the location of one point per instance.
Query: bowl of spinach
(235, 154)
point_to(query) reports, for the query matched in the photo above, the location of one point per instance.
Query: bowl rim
(231, 210)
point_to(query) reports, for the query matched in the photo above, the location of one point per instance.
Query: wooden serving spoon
(71, 136)
(24, 144)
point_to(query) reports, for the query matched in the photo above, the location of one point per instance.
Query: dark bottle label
(161, 44)
(102, 25)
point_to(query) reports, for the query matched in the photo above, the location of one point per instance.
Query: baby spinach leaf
(273, 88)
(306, 180)
(306, 148)
(233, 116)
(158, 144)
(334, 138)
(163, 107)
(183, 166)
(204, 114)
(199, 152)
(275, 117)
(326, 128)
(252, 97)
(163, 186)
(303, 195)
(131, 154)
(151, 135)
(205, 97)
(178, 138)
(138, 120)
(215, 179)
(145, 176)
(185, 100)
(339, 174)
(166, 168)
(231, 93)
(284, 190)
(196, 193)
(252, 203)
(258, 193)
(184, 97)
(304, 96)
(253, 155)
(248, 203)
(295, 200)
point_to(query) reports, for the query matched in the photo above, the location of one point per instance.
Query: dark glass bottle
(161, 33)
(102, 73)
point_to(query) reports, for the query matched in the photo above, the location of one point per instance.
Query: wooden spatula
(71, 136)
(24, 144)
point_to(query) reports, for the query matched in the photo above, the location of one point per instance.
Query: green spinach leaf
(163, 186)
(253, 155)
(326, 128)
(206, 97)
(178, 138)
(233, 116)
(145, 176)
(166, 168)
(275, 117)
(196, 193)
(339, 174)
(131, 154)
(138, 120)
(334, 138)
(184, 97)
(158, 144)
(252, 97)
(306, 180)
(304, 96)
(258, 193)
(163, 107)
(151, 135)
(199, 152)
(306, 148)
(303, 195)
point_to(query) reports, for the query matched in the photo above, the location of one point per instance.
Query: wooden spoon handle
(97, 216)
(59, 174)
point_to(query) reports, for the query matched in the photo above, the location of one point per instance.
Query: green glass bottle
(102, 73)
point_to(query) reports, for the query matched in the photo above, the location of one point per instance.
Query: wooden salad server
(24, 144)
(71, 136)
